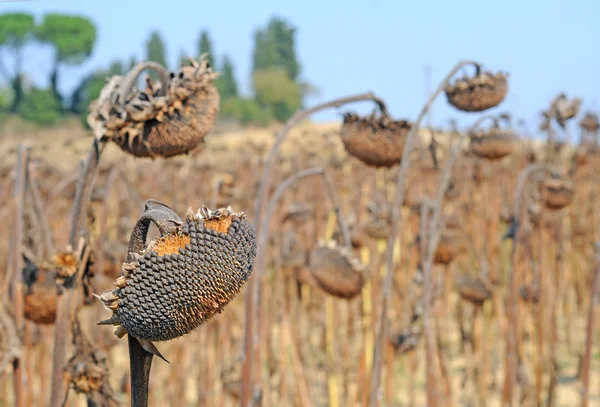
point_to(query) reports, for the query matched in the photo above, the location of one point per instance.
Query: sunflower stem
(253, 292)
(396, 226)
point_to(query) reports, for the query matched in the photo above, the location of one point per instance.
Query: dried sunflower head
(474, 290)
(166, 118)
(477, 93)
(376, 140)
(493, 144)
(184, 277)
(336, 271)
(557, 192)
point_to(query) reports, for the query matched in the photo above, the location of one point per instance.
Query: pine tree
(274, 47)
(156, 49)
(205, 46)
(226, 82)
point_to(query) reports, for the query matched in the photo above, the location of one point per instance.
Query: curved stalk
(512, 308)
(66, 303)
(263, 240)
(395, 229)
(263, 191)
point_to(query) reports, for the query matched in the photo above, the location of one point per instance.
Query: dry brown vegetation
(463, 313)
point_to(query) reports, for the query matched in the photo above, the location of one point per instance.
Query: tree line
(277, 90)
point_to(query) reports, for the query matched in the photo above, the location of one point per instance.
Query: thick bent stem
(271, 208)
(129, 80)
(512, 307)
(263, 192)
(395, 232)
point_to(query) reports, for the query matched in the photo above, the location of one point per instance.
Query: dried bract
(87, 371)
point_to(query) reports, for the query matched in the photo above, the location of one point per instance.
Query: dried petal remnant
(169, 244)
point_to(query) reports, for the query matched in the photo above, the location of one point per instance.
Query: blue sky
(360, 45)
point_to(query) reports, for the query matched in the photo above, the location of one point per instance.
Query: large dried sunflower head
(184, 277)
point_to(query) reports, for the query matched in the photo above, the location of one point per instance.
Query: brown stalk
(396, 226)
(554, 296)
(433, 231)
(589, 333)
(263, 243)
(38, 205)
(263, 191)
(512, 308)
(16, 265)
(67, 301)
(431, 376)
(58, 189)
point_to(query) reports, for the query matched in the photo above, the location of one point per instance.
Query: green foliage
(226, 83)
(73, 37)
(205, 46)
(183, 59)
(5, 98)
(276, 69)
(40, 106)
(275, 46)
(116, 68)
(132, 62)
(246, 111)
(87, 91)
(16, 29)
(156, 49)
(274, 89)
